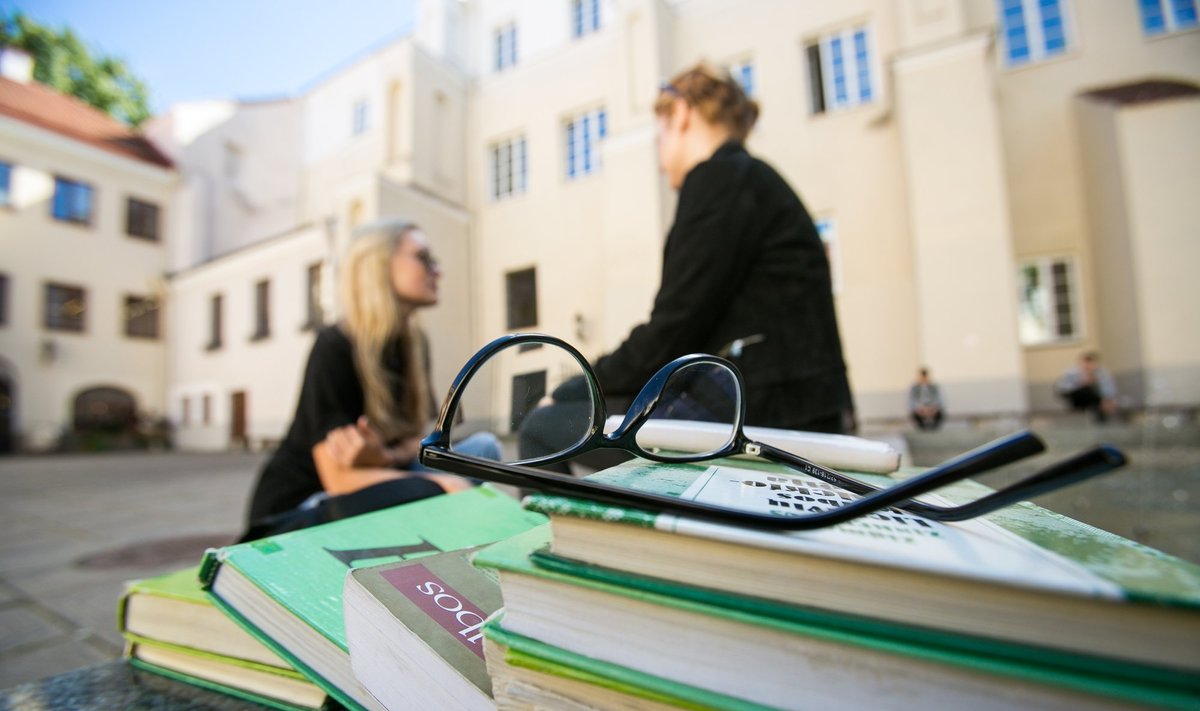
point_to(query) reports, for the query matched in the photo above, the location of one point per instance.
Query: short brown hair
(712, 92)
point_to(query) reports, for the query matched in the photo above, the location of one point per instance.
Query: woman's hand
(406, 451)
(358, 445)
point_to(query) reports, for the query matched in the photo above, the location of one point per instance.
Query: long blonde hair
(375, 317)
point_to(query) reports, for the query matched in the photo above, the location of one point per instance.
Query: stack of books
(405, 635)
(265, 620)
(1023, 609)
(171, 628)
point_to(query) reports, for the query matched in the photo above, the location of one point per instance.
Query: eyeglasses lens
(509, 396)
(706, 395)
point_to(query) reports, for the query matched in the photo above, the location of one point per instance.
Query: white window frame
(1170, 19)
(827, 230)
(852, 68)
(586, 18)
(582, 135)
(360, 120)
(738, 68)
(1038, 311)
(508, 167)
(504, 47)
(1034, 33)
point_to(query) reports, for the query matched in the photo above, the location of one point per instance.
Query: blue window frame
(506, 47)
(1164, 16)
(72, 201)
(1032, 30)
(840, 70)
(583, 135)
(585, 17)
(5, 184)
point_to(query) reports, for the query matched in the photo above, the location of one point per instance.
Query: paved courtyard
(74, 528)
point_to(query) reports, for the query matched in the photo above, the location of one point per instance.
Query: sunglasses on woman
(697, 387)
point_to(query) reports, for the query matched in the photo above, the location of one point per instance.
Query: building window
(1163, 16)
(505, 42)
(5, 184)
(583, 135)
(1048, 301)
(141, 317)
(72, 201)
(214, 322)
(840, 72)
(743, 73)
(3, 299)
(185, 416)
(206, 409)
(507, 168)
(521, 290)
(585, 17)
(827, 230)
(315, 311)
(65, 307)
(360, 116)
(1032, 30)
(141, 220)
(262, 310)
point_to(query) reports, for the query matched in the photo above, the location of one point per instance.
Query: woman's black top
(743, 260)
(331, 396)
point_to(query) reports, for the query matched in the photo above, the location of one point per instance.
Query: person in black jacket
(365, 399)
(745, 275)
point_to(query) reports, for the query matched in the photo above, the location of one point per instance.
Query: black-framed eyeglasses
(426, 259)
(704, 388)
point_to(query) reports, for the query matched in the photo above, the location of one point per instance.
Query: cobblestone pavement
(74, 528)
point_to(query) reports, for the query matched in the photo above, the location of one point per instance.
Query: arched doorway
(105, 410)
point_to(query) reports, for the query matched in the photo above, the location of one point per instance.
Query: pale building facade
(946, 149)
(994, 201)
(84, 209)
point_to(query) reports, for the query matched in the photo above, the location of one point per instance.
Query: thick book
(414, 629)
(286, 590)
(784, 663)
(528, 675)
(1023, 575)
(269, 686)
(172, 628)
(173, 609)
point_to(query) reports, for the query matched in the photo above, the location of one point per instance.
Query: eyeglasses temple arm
(1080, 467)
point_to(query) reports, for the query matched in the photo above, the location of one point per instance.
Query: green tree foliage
(62, 61)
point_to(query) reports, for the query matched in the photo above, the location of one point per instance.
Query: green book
(784, 662)
(264, 685)
(527, 673)
(414, 629)
(173, 609)
(286, 590)
(1022, 575)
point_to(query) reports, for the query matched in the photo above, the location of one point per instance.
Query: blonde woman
(365, 400)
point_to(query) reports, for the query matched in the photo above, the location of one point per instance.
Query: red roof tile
(44, 107)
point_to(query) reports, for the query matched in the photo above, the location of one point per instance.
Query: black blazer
(742, 261)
